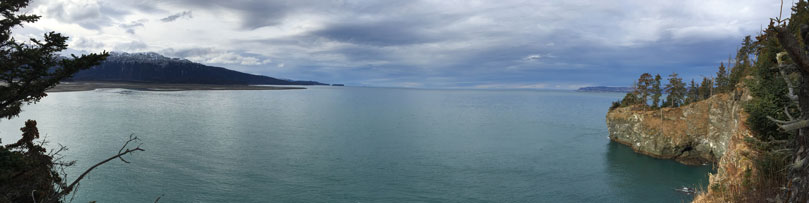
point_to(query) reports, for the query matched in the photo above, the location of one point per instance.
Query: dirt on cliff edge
(697, 133)
(712, 130)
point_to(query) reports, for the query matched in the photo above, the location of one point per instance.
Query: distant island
(606, 89)
(155, 68)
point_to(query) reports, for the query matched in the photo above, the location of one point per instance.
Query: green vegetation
(656, 91)
(676, 91)
(775, 69)
(28, 173)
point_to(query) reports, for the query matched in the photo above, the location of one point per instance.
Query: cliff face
(694, 134)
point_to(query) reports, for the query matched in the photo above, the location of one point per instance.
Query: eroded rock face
(694, 134)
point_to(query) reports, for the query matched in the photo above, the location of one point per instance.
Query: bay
(352, 144)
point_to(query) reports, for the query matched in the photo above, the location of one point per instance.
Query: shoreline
(89, 86)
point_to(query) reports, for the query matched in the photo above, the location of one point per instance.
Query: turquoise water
(344, 144)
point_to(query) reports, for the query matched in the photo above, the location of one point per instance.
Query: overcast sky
(561, 44)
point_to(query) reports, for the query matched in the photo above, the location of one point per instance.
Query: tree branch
(131, 138)
(780, 121)
(70, 187)
(792, 47)
(795, 125)
(786, 111)
(790, 88)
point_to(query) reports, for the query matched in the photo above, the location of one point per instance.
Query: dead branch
(131, 138)
(791, 124)
(790, 88)
(795, 125)
(779, 121)
(121, 153)
(792, 47)
(158, 198)
(786, 111)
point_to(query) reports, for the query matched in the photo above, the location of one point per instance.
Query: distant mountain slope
(605, 89)
(153, 67)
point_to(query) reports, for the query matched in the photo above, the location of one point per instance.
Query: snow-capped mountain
(153, 67)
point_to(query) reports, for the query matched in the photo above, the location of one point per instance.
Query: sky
(542, 44)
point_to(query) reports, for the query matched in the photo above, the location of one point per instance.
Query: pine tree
(643, 87)
(743, 62)
(706, 89)
(27, 172)
(657, 92)
(676, 91)
(792, 43)
(693, 93)
(722, 80)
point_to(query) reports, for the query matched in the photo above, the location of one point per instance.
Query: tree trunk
(798, 176)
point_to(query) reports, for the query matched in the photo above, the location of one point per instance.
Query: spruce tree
(743, 62)
(27, 69)
(693, 93)
(722, 80)
(706, 89)
(676, 91)
(643, 87)
(657, 92)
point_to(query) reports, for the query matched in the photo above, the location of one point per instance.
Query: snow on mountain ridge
(144, 57)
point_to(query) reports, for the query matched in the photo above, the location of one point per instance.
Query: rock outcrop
(697, 133)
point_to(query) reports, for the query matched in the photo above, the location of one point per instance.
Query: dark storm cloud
(390, 33)
(253, 13)
(506, 43)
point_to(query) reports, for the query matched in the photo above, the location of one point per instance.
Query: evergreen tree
(782, 96)
(743, 61)
(676, 91)
(706, 89)
(693, 93)
(722, 80)
(643, 87)
(27, 172)
(630, 99)
(657, 92)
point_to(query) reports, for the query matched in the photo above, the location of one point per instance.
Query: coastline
(88, 86)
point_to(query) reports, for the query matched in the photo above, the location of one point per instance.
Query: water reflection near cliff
(628, 169)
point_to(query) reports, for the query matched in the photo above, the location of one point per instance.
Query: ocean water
(352, 144)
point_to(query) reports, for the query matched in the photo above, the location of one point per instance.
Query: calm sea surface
(344, 144)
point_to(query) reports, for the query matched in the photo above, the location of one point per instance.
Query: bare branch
(792, 47)
(780, 121)
(786, 111)
(790, 88)
(121, 152)
(795, 125)
(131, 138)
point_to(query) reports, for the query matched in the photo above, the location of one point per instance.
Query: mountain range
(152, 67)
(605, 89)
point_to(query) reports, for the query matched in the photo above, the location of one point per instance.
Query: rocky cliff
(697, 133)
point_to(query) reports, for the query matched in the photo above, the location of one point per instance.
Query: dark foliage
(27, 173)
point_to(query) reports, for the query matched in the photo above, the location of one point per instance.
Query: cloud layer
(445, 44)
